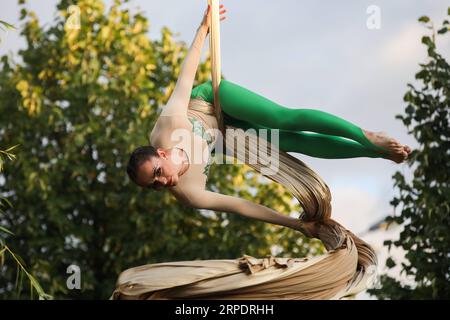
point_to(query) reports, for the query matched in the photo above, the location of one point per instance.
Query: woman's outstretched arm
(219, 202)
(179, 100)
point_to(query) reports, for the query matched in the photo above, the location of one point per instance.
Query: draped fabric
(345, 269)
(245, 278)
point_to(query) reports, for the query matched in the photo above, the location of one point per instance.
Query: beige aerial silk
(214, 49)
(347, 267)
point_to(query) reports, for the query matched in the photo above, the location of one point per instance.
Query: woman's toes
(398, 156)
(403, 157)
(398, 149)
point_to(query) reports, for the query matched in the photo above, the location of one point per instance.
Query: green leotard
(325, 139)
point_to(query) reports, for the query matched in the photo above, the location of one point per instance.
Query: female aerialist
(166, 163)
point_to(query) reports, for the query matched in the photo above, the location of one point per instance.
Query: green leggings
(326, 139)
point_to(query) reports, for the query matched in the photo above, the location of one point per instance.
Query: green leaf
(390, 263)
(424, 19)
(443, 30)
(427, 41)
(7, 202)
(6, 230)
(395, 202)
(6, 25)
(12, 148)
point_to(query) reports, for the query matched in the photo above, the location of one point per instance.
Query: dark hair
(137, 158)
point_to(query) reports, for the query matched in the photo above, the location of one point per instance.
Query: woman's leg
(248, 106)
(203, 91)
(312, 144)
(245, 109)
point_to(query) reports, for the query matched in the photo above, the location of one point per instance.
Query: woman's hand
(207, 17)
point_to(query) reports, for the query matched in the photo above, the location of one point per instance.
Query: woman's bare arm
(203, 199)
(179, 100)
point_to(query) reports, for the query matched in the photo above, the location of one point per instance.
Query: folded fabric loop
(255, 265)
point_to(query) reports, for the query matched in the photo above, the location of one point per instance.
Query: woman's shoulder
(169, 122)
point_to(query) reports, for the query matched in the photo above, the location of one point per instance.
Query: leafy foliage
(426, 199)
(4, 249)
(81, 99)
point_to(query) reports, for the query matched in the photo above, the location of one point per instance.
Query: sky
(311, 54)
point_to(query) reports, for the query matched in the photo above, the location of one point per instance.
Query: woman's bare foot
(407, 149)
(395, 150)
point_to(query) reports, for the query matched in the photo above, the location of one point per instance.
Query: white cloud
(404, 48)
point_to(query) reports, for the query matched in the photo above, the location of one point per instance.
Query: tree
(83, 95)
(5, 251)
(22, 272)
(425, 200)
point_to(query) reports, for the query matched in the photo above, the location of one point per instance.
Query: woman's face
(159, 172)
